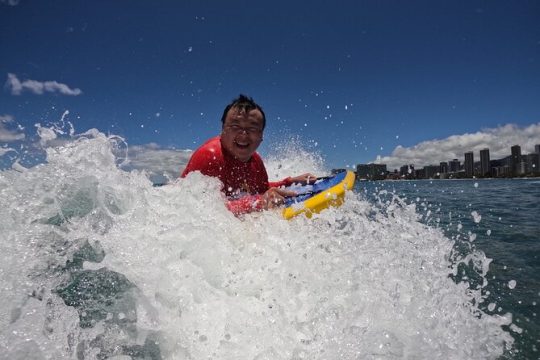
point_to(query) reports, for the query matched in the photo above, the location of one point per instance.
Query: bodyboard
(312, 199)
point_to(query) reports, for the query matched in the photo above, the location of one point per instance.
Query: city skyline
(434, 151)
(513, 165)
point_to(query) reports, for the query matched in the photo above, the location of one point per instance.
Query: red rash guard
(243, 182)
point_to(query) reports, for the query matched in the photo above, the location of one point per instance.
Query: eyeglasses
(251, 130)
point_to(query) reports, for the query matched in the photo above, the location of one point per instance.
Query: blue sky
(356, 80)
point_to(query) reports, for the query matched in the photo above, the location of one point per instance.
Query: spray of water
(95, 263)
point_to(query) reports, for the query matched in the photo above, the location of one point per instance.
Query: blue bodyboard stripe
(316, 188)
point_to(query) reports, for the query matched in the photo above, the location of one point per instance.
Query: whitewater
(98, 263)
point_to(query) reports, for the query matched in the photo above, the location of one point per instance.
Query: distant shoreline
(456, 179)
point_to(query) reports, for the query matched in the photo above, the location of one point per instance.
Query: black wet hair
(246, 103)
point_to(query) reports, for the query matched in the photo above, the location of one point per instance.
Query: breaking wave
(96, 262)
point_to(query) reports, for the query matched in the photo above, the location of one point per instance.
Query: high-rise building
(443, 167)
(535, 166)
(469, 164)
(454, 165)
(532, 162)
(516, 159)
(485, 169)
(371, 171)
(431, 171)
(407, 171)
(537, 149)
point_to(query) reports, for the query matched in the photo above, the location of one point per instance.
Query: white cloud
(7, 135)
(497, 140)
(10, 2)
(161, 164)
(37, 87)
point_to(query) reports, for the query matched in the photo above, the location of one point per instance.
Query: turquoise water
(500, 217)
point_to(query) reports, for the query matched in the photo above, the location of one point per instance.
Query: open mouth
(241, 145)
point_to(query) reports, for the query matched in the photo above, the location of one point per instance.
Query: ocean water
(499, 217)
(97, 263)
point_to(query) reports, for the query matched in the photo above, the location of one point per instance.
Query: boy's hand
(275, 197)
(304, 179)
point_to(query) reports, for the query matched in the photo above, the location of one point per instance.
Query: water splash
(97, 263)
(292, 157)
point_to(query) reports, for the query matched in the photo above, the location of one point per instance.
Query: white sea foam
(182, 278)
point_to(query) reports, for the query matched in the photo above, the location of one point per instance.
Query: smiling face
(242, 132)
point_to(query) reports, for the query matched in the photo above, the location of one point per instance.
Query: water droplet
(476, 217)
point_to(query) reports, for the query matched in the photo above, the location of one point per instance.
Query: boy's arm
(285, 182)
(245, 204)
(300, 179)
(271, 199)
